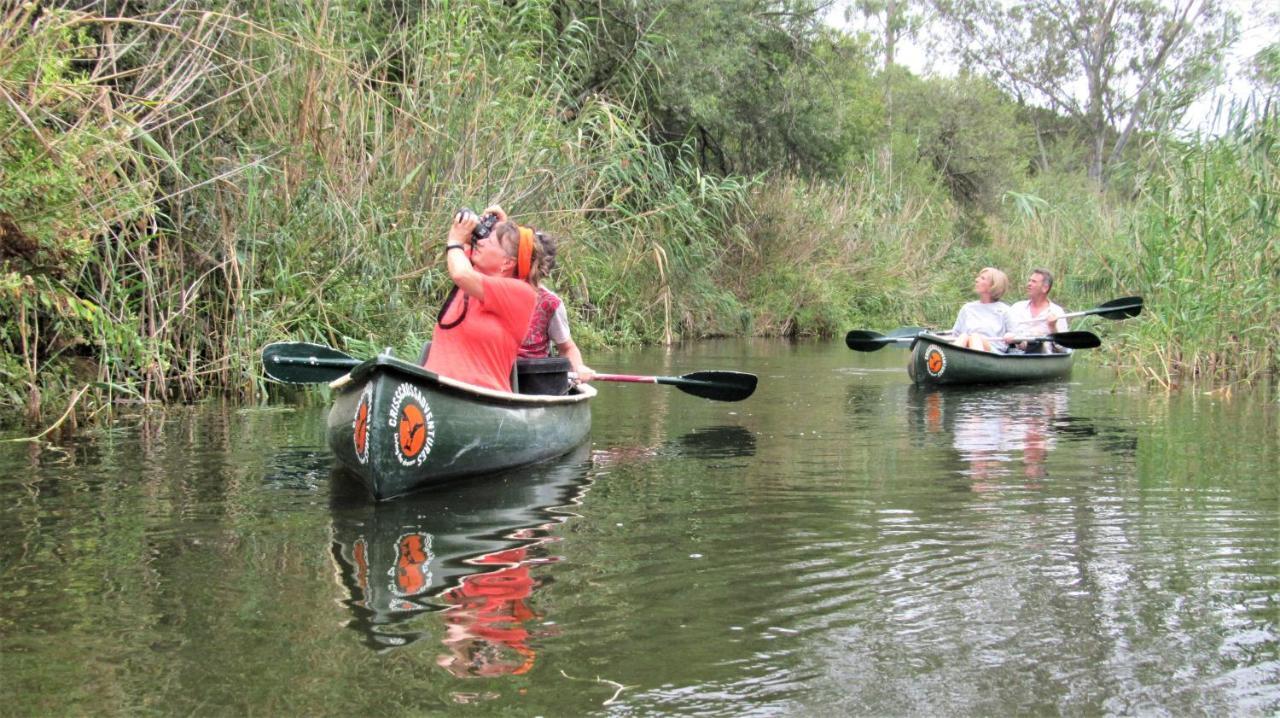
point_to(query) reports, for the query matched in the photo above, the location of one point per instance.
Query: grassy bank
(181, 187)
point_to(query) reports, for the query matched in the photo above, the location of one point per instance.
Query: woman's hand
(460, 233)
(498, 210)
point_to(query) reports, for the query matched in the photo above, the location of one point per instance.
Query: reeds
(269, 171)
(182, 187)
(1207, 236)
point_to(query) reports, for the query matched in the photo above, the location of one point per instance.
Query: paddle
(304, 363)
(1122, 308)
(862, 340)
(1070, 340)
(865, 341)
(718, 385)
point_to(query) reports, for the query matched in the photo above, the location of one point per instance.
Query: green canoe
(400, 428)
(934, 360)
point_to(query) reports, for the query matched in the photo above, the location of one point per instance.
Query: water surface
(840, 543)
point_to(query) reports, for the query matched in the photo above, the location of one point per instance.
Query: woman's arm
(459, 262)
(569, 350)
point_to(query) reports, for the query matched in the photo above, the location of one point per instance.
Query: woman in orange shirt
(481, 326)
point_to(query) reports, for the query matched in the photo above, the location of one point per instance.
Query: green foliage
(970, 133)
(63, 181)
(822, 256)
(1205, 236)
(754, 84)
(176, 193)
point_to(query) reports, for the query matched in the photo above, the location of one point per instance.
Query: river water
(839, 543)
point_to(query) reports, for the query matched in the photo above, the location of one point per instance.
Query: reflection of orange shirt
(491, 608)
(482, 348)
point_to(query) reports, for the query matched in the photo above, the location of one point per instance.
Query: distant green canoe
(400, 428)
(934, 360)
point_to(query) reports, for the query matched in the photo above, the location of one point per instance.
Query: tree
(894, 20)
(969, 132)
(1115, 67)
(754, 85)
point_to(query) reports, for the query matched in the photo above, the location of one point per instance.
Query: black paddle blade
(304, 363)
(717, 385)
(1076, 340)
(1121, 308)
(861, 340)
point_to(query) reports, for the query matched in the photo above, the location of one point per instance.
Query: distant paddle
(305, 363)
(1122, 308)
(717, 385)
(1070, 340)
(867, 341)
(862, 340)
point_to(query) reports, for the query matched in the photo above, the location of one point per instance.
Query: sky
(1255, 35)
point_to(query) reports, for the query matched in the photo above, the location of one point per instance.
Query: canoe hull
(935, 361)
(400, 428)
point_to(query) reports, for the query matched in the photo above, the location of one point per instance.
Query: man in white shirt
(1035, 315)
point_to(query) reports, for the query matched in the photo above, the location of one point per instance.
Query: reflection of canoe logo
(410, 576)
(360, 556)
(415, 428)
(935, 361)
(360, 425)
(933, 412)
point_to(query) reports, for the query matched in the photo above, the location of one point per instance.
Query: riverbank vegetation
(182, 183)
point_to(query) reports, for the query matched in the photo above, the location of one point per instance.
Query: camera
(482, 230)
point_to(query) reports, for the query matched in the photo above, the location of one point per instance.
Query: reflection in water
(717, 442)
(1002, 431)
(464, 548)
(467, 550)
(486, 619)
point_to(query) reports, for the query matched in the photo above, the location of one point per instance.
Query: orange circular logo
(935, 362)
(360, 427)
(411, 418)
(413, 430)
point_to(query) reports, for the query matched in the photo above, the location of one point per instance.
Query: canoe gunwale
(940, 340)
(362, 373)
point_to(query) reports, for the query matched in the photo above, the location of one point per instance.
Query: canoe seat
(547, 375)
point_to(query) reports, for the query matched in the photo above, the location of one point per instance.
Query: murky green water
(840, 543)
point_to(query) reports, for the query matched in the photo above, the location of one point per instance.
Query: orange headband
(524, 256)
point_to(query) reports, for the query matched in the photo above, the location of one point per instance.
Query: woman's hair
(999, 282)
(544, 249)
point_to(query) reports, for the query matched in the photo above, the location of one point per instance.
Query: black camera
(482, 230)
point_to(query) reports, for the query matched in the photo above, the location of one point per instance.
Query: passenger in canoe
(481, 326)
(983, 324)
(1035, 315)
(550, 322)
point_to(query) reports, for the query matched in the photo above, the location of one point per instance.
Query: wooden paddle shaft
(628, 377)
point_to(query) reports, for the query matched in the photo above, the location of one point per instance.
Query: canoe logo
(935, 361)
(415, 427)
(360, 425)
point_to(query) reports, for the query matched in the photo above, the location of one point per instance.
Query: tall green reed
(1206, 234)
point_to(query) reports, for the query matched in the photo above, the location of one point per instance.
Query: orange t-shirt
(482, 349)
